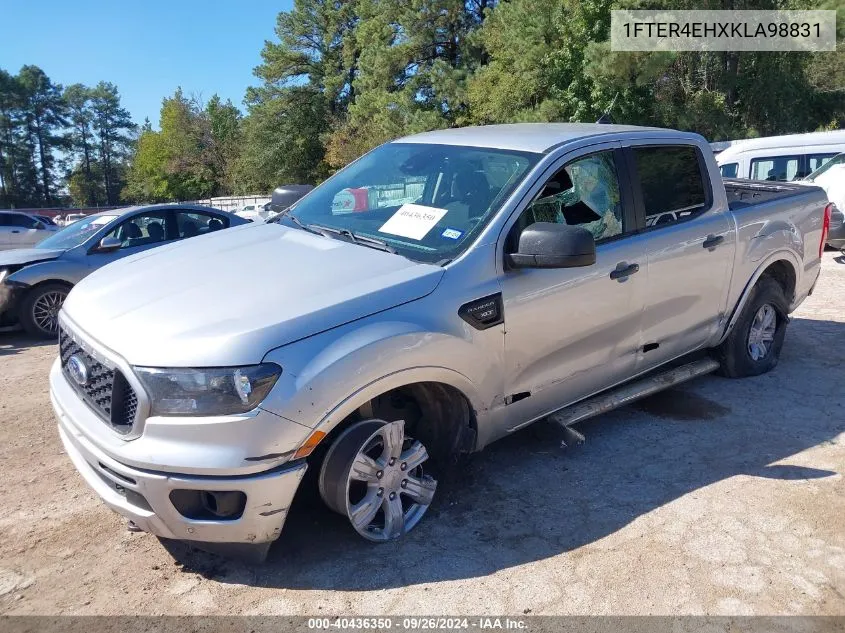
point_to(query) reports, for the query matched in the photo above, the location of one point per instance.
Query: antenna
(606, 118)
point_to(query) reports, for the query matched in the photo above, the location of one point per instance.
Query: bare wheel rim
(761, 334)
(384, 492)
(45, 310)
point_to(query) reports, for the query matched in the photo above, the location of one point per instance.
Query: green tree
(85, 188)
(224, 121)
(282, 140)
(43, 111)
(115, 136)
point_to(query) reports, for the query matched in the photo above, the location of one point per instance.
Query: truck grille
(106, 390)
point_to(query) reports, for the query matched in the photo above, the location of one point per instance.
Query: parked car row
(21, 230)
(36, 280)
(441, 292)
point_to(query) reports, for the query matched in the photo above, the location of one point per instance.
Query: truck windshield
(426, 201)
(76, 233)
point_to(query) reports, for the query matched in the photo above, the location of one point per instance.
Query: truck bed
(743, 193)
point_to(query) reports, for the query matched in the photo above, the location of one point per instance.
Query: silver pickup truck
(441, 292)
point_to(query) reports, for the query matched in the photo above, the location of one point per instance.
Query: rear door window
(671, 182)
(776, 168)
(22, 221)
(194, 223)
(814, 161)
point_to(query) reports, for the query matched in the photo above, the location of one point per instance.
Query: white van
(782, 158)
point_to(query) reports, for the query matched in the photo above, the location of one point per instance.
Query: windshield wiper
(305, 227)
(355, 238)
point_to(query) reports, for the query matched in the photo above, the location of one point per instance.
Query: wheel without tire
(39, 309)
(373, 475)
(753, 346)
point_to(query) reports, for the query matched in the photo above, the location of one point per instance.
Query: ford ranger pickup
(439, 293)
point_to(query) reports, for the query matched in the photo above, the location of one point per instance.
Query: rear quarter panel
(788, 229)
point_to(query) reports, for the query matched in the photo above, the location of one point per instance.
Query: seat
(156, 232)
(189, 229)
(470, 197)
(215, 224)
(127, 232)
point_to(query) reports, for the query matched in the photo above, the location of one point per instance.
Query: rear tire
(753, 346)
(39, 309)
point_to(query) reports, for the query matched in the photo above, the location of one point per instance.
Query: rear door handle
(713, 241)
(623, 272)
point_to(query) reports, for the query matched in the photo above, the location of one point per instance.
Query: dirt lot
(723, 497)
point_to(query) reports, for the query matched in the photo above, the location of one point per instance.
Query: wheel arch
(438, 389)
(782, 267)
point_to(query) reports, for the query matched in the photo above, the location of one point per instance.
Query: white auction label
(413, 221)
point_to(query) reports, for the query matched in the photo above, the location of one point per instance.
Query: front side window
(193, 223)
(671, 182)
(584, 193)
(776, 168)
(426, 201)
(729, 170)
(142, 230)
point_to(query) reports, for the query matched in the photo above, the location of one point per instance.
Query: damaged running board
(631, 392)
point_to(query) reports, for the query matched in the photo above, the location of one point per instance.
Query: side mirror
(550, 245)
(108, 245)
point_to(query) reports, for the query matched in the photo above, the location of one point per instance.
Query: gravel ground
(720, 497)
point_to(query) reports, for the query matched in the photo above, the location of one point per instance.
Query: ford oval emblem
(78, 370)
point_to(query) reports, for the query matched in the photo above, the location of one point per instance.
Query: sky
(146, 48)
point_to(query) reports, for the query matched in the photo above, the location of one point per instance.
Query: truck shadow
(525, 498)
(15, 342)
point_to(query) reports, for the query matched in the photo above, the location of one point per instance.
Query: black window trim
(639, 204)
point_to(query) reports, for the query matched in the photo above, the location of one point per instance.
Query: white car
(253, 212)
(22, 230)
(780, 158)
(70, 218)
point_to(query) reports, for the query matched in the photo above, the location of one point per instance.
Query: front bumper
(144, 496)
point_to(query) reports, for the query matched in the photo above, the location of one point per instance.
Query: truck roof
(528, 137)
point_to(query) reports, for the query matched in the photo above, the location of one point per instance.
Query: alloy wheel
(761, 335)
(373, 474)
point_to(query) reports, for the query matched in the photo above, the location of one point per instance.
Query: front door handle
(14, 231)
(713, 241)
(622, 271)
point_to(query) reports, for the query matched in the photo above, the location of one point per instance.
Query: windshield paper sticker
(413, 221)
(452, 234)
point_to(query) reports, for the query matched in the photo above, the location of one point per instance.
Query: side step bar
(631, 392)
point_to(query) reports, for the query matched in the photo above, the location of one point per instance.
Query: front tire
(753, 346)
(39, 309)
(373, 475)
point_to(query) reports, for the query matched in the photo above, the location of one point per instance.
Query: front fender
(329, 376)
(70, 272)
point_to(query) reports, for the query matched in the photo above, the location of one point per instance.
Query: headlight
(211, 391)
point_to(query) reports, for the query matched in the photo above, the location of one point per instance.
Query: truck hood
(18, 256)
(228, 298)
